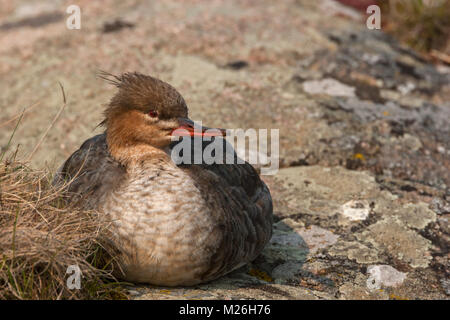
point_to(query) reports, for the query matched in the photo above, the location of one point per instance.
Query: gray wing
(243, 211)
(90, 172)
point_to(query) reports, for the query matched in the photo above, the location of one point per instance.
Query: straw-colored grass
(421, 24)
(41, 235)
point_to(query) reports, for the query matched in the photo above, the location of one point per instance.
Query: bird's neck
(131, 154)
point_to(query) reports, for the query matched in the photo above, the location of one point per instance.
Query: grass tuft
(421, 24)
(41, 235)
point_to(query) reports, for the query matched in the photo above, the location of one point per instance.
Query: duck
(172, 224)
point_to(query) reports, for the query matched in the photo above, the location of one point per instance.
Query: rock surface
(362, 199)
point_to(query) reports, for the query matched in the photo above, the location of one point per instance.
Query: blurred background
(234, 62)
(421, 24)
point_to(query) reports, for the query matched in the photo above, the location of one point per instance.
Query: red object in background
(358, 4)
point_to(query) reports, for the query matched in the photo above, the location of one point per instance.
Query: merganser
(173, 224)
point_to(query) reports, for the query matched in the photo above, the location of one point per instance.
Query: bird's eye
(153, 113)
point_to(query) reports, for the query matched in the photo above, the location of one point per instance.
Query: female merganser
(173, 224)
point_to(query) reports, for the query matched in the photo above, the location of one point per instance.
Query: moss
(262, 275)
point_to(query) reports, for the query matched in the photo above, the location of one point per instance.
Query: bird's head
(146, 111)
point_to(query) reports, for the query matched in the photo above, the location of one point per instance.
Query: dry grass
(421, 24)
(42, 234)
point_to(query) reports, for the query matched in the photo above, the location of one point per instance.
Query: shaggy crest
(143, 93)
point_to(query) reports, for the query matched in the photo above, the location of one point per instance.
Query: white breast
(162, 225)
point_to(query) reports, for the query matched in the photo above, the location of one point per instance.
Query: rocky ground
(362, 199)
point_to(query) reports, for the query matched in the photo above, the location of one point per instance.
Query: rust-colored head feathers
(143, 116)
(144, 93)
